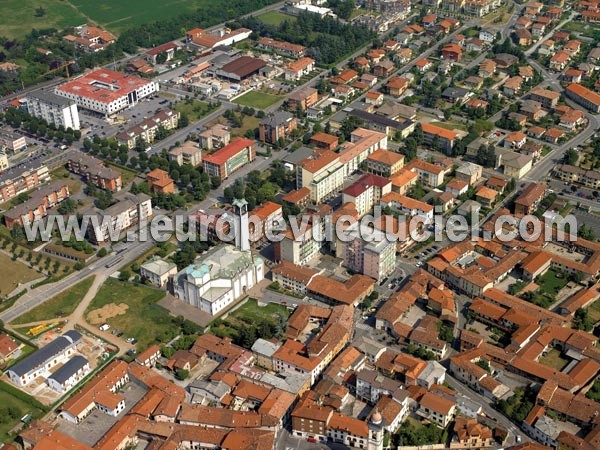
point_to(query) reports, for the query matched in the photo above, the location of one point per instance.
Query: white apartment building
(323, 173)
(218, 278)
(54, 109)
(115, 219)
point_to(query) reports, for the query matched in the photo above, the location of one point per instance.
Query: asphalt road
(39, 295)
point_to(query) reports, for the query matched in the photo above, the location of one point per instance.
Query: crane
(64, 65)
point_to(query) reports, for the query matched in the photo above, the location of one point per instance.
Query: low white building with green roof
(218, 278)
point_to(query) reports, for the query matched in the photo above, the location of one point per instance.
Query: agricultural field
(61, 305)
(19, 17)
(257, 99)
(131, 309)
(15, 273)
(117, 15)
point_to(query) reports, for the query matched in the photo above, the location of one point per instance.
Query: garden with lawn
(554, 359)
(251, 321)
(275, 18)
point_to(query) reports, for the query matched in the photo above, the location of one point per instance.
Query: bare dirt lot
(100, 315)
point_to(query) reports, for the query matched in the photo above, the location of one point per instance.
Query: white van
(104, 327)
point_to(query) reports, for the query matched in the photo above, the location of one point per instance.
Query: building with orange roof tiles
(385, 163)
(106, 91)
(226, 160)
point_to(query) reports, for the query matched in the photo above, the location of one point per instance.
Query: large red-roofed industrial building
(106, 91)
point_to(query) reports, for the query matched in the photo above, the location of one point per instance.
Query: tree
(181, 374)
(418, 134)
(586, 232)
(124, 275)
(102, 252)
(40, 12)
(571, 157)
(215, 181)
(410, 148)
(582, 320)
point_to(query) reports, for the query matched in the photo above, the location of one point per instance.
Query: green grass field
(554, 359)
(275, 18)
(117, 15)
(19, 16)
(58, 306)
(143, 320)
(14, 273)
(257, 99)
(194, 109)
(550, 283)
(249, 313)
(127, 175)
(12, 408)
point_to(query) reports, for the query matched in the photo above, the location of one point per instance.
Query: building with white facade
(116, 219)
(218, 278)
(158, 271)
(39, 363)
(71, 373)
(54, 109)
(106, 91)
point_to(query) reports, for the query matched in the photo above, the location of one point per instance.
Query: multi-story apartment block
(230, 158)
(574, 174)
(15, 180)
(94, 171)
(36, 207)
(585, 97)
(276, 126)
(323, 173)
(54, 109)
(366, 192)
(114, 220)
(367, 251)
(147, 129)
(385, 163)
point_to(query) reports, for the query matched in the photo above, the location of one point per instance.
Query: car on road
(104, 327)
